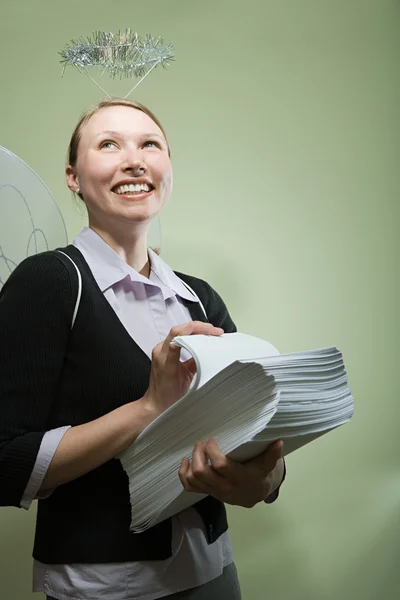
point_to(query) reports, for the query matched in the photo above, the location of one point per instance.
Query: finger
(155, 353)
(195, 328)
(275, 450)
(201, 471)
(183, 469)
(187, 479)
(173, 356)
(224, 466)
(189, 487)
(276, 446)
(191, 328)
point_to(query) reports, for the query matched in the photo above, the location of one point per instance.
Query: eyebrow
(120, 134)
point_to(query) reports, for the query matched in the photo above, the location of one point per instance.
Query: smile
(133, 188)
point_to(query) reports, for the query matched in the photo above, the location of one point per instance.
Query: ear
(71, 178)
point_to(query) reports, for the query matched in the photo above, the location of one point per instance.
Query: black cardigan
(52, 376)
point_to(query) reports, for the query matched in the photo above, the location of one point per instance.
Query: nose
(134, 162)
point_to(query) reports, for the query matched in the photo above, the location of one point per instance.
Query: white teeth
(138, 187)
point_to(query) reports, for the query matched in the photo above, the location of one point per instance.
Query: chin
(140, 216)
(143, 213)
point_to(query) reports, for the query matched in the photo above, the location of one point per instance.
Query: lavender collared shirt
(147, 308)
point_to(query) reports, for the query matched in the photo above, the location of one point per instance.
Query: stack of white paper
(245, 395)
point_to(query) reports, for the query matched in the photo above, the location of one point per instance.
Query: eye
(108, 144)
(151, 144)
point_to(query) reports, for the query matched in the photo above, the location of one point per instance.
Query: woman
(72, 398)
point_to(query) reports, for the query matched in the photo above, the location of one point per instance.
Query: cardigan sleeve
(36, 307)
(48, 447)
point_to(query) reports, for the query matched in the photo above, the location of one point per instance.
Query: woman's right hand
(86, 447)
(170, 378)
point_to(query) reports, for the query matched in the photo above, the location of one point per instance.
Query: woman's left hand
(213, 473)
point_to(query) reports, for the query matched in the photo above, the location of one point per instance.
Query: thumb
(268, 459)
(190, 364)
(173, 356)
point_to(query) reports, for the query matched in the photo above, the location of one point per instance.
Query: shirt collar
(163, 272)
(109, 268)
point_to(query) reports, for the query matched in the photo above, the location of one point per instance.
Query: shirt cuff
(274, 495)
(48, 447)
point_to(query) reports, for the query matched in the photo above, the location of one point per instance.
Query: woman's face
(123, 168)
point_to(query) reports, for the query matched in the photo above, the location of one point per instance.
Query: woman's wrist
(145, 411)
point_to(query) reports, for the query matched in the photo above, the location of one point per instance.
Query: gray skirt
(224, 587)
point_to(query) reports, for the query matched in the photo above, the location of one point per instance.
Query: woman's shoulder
(47, 273)
(202, 288)
(215, 307)
(194, 282)
(44, 265)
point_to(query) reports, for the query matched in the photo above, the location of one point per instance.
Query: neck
(131, 246)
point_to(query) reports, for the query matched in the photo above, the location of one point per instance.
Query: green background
(283, 118)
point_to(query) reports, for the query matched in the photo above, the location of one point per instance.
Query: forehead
(123, 119)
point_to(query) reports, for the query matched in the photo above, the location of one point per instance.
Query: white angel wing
(30, 220)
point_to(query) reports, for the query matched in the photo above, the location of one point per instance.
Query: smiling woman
(77, 398)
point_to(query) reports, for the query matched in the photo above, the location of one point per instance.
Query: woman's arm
(86, 447)
(36, 306)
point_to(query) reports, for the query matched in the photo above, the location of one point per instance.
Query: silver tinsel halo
(122, 54)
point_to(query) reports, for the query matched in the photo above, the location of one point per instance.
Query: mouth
(131, 190)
